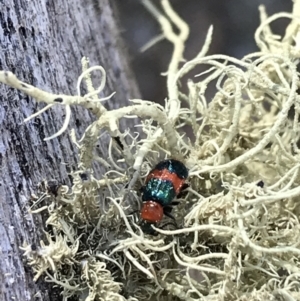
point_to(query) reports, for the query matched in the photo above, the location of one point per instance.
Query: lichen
(238, 236)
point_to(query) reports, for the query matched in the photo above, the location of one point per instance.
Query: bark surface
(42, 42)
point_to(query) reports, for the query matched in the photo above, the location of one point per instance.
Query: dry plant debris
(239, 228)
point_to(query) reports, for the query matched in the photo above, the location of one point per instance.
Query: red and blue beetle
(163, 184)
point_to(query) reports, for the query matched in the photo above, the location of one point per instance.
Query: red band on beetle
(152, 212)
(164, 174)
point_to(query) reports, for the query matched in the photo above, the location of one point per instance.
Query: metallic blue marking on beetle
(161, 191)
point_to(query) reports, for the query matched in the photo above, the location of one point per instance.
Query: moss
(239, 228)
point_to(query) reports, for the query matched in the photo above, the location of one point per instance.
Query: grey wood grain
(42, 42)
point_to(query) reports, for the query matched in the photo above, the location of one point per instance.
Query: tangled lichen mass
(238, 235)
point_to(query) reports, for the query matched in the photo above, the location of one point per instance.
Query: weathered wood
(42, 42)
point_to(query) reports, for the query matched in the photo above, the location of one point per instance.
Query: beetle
(162, 185)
